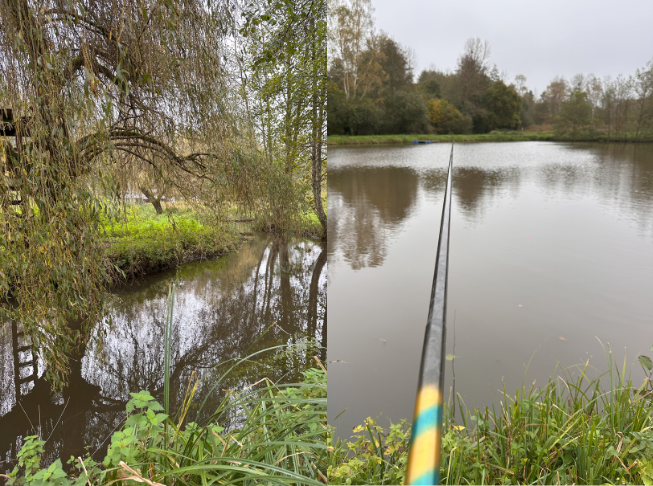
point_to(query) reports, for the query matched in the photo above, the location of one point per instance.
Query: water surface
(221, 308)
(551, 248)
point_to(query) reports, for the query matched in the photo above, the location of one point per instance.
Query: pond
(551, 260)
(222, 309)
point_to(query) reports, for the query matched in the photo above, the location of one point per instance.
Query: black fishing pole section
(425, 444)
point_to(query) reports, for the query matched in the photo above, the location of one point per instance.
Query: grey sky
(540, 39)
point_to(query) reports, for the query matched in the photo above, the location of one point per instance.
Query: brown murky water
(221, 307)
(551, 248)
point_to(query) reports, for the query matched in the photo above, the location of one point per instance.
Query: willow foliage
(92, 84)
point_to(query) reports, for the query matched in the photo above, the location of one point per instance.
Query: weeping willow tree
(91, 83)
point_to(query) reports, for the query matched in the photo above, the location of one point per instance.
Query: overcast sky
(540, 39)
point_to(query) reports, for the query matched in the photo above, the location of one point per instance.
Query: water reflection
(475, 188)
(221, 308)
(366, 208)
(548, 240)
(372, 197)
(623, 175)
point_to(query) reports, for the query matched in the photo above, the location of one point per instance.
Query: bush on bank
(572, 431)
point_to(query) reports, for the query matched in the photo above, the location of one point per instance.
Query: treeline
(372, 90)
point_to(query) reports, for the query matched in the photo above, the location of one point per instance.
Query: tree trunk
(313, 293)
(156, 201)
(157, 205)
(316, 152)
(316, 159)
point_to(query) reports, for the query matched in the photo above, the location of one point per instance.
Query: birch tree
(354, 50)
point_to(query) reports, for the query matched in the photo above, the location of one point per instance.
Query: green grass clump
(310, 225)
(143, 242)
(571, 431)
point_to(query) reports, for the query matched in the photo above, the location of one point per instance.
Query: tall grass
(574, 430)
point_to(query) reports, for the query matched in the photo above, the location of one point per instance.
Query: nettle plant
(144, 428)
(29, 471)
(29, 460)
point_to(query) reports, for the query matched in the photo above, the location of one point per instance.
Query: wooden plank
(26, 379)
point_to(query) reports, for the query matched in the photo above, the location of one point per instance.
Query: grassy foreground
(573, 431)
(280, 439)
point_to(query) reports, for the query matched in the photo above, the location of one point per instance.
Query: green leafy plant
(376, 454)
(280, 438)
(28, 470)
(143, 429)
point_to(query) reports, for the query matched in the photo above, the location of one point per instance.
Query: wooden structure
(24, 357)
(7, 125)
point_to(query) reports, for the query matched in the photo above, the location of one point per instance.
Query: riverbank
(571, 431)
(333, 140)
(142, 242)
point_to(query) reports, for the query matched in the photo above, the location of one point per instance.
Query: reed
(167, 344)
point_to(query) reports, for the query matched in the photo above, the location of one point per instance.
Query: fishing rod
(425, 442)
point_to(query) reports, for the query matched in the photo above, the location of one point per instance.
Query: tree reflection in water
(367, 206)
(221, 308)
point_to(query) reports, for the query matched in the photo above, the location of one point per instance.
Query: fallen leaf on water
(450, 357)
(562, 338)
